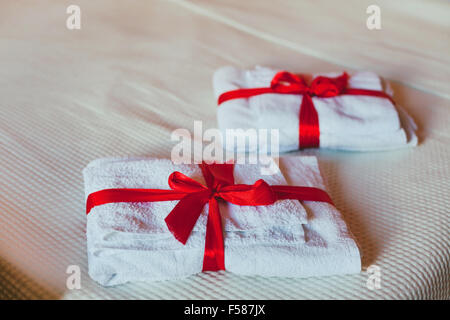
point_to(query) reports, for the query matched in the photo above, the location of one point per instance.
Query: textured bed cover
(137, 71)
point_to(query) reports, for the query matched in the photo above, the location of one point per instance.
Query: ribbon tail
(181, 220)
(214, 256)
(309, 133)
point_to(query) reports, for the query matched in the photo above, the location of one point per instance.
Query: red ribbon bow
(323, 87)
(193, 197)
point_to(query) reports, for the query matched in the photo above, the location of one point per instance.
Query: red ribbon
(193, 197)
(324, 87)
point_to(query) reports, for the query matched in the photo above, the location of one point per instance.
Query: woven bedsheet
(135, 72)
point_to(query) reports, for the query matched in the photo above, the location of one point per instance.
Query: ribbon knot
(180, 182)
(325, 87)
(219, 186)
(289, 83)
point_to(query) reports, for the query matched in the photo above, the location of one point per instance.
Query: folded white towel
(347, 122)
(130, 241)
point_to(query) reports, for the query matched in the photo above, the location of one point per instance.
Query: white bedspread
(137, 71)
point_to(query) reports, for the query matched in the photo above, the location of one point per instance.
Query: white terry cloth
(358, 123)
(130, 241)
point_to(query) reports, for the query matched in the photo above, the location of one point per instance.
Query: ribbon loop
(258, 194)
(183, 183)
(286, 82)
(325, 87)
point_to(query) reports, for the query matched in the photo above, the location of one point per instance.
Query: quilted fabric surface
(135, 72)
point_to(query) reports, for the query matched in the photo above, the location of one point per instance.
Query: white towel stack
(356, 123)
(130, 241)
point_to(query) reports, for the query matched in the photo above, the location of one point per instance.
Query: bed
(135, 72)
